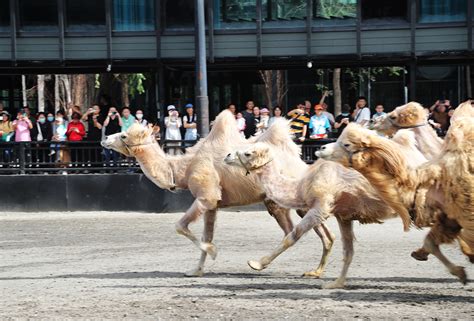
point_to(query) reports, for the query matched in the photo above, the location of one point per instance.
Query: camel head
(126, 142)
(406, 116)
(251, 158)
(359, 148)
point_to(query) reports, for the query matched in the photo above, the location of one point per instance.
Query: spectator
(95, 123)
(50, 118)
(173, 124)
(22, 126)
(319, 123)
(27, 112)
(42, 131)
(190, 124)
(439, 119)
(75, 133)
(139, 118)
(59, 135)
(264, 120)
(276, 115)
(299, 122)
(2, 107)
(127, 119)
(343, 119)
(112, 125)
(241, 124)
(361, 112)
(248, 115)
(256, 119)
(6, 127)
(231, 107)
(328, 115)
(379, 113)
(445, 102)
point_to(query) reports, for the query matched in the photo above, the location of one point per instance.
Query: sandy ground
(130, 265)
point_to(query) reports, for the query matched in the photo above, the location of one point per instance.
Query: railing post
(22, 157)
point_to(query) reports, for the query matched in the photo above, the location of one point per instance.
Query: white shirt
(363, 114)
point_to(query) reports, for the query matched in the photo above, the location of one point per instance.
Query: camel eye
(347, 145)
(247, 154)
(123, 136)
(393, 117)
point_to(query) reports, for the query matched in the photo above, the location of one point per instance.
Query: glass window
(235, 13)
(179, 14)
(4, 16)
(385, 11)
(134, 15)
(38, 16)
(85, 15)
(284, 13)
(442, 10)
(334, 12)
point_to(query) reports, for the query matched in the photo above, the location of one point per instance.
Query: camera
(114, 113)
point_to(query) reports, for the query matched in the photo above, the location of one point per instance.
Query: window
(442, 10)
(85, 15)
(235, 13)
(179, 14)
(38, 16)
(385, 11)
(4, 16)
(334, 12)
(134, 15)
(284, 13)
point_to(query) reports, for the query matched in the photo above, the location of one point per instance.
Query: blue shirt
(319, 125)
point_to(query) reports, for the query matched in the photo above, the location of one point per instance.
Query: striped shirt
(298, 121)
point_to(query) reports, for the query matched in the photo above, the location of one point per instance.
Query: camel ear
(366, 141)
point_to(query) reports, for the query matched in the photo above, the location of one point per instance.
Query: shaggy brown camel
(385, 166)
(213, 184)
(413, 117)
(326, 189)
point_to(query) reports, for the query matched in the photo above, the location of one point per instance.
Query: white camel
(213, 184)
(326, 189)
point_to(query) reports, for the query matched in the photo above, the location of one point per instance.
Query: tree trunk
(67, 89)
(267, 78)
(281, 87)
(41, 93)
(125, 90)
(57, 97)
(23, 91)
(468, 82)
(79, 91)
(336, 84)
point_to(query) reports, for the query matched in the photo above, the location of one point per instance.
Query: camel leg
(192, 214)
(206, 245)
(327, 238)
(280, 214)
(455, 270)
(315, 216)
(347, 235)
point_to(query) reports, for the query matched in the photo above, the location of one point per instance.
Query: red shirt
(74, 136)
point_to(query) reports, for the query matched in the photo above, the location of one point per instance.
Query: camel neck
(279, 188)
(428, 141)
(152, 159)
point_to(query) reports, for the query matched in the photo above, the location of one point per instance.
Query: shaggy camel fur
(213, 184)
(413, 117)
(385, 166)
(326, 189)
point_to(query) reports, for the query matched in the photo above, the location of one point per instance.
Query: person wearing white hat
(173, 124)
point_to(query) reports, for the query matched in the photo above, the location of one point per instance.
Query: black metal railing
(90, 157)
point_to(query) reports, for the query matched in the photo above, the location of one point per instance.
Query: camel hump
(224, 125)
(405, 138)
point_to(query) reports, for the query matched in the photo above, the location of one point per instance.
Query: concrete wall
(118, 192)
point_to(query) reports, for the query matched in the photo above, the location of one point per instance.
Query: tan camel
(413, 117)
(385, 166)
(326, 189)
(213, 184)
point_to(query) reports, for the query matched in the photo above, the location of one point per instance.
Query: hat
(171, 107)
(189, 106)
(264, 110)
(318, 107)
(4, 112)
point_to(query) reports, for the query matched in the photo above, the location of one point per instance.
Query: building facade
(431, 40)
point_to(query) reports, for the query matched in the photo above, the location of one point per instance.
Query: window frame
(29, 33)
(82, 32)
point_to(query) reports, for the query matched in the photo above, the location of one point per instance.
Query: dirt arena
(130, 265)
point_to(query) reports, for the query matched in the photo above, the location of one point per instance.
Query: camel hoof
(420, 255)
(210, 249)
(460, 273)
(256, 265)
(194, 273)
(334, 285)
(313, 274)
